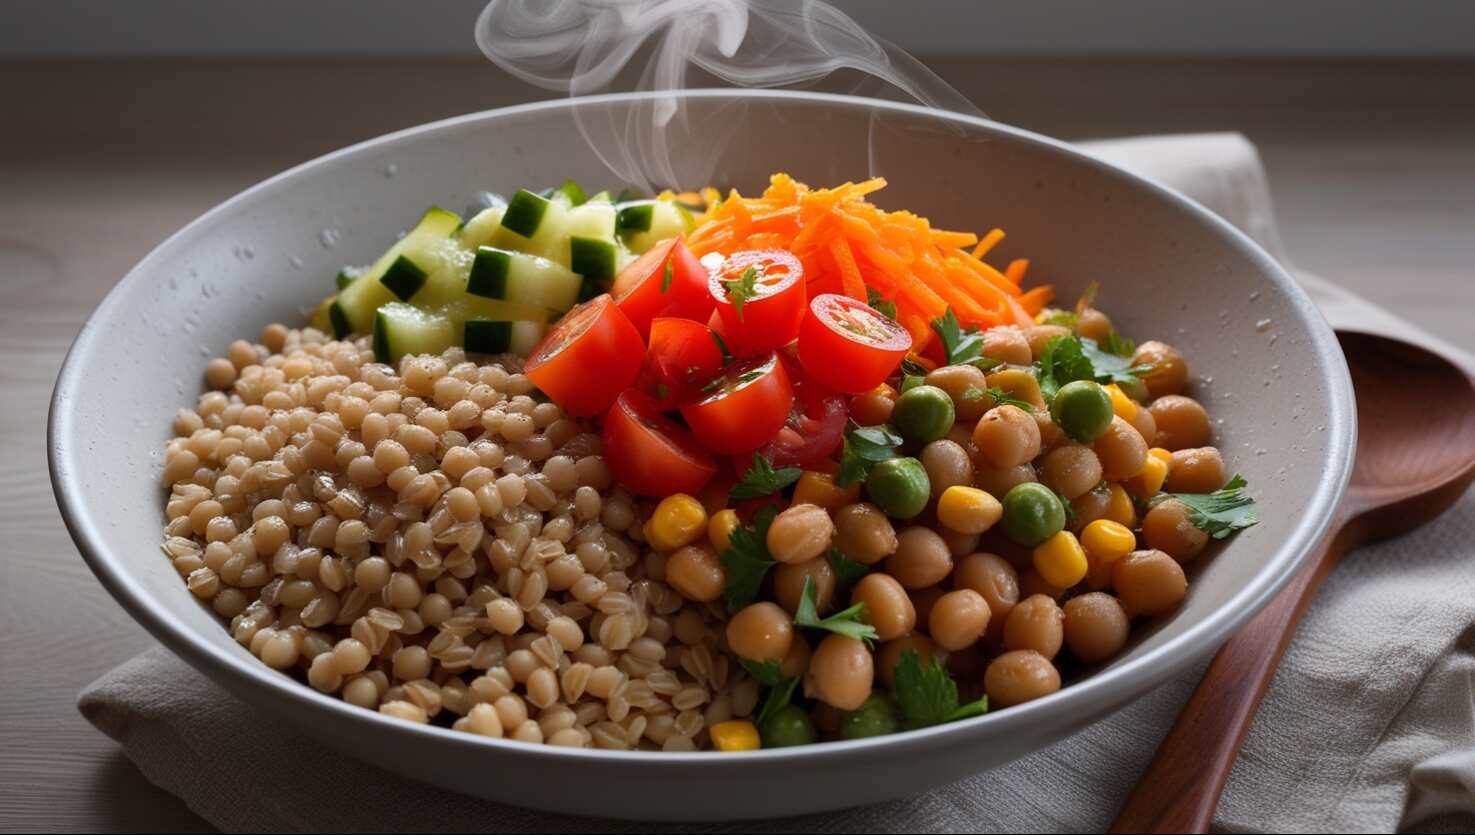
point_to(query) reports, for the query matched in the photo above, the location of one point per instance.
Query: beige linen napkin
(1368, 726)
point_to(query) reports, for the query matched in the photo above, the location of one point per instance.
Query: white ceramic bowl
(1167, 268)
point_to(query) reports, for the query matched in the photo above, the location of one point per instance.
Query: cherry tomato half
(746, 407)
(849, 345)
(810, 435)
(588, 358)
(683, 356)
(666, 281)
(649, 453)
(760, 299)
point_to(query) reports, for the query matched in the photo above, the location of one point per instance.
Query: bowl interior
(1261, 358)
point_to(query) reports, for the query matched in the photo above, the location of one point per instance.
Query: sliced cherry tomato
(683, 356)
(666, 281)
(745, 408)
(588, 358)
(815, 426)
(849, 345)
(760, 299)
(651, 454)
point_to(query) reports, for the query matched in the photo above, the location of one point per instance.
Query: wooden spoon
(1415, 458)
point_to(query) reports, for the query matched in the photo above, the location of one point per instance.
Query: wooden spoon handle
(1181, 788)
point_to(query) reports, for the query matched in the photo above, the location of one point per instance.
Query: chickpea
(1168, 528)
(1019, 676)
(887, 606)
(841, 672)
(1093, 324)
(1031, 584)
(1070, 470)
(1146, 426)
(889, 655)
(800, 533)
(1090, 506)
(874, 407)
(788, 583)
(995, 579)
(959, 544)
(1199, 470)
(966, 385)
(1036, 623)
(924, 599)
(1096, 626)
(1007, 344)
(863, 533)
(1181, 422)
(958, 619)
(796, 660)
(1041, 335)
(1051, 435)
(922, 558)
(1121, 451)
(998, 482)
(1169, 373)
(696, 573)
(947, 464)
(1149, 583)
(1007, 436)
(761, 632)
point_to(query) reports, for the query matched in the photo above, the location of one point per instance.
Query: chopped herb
(928, 696)
(1070, 510)
(1004, 398)
(742, 289)
(845, 622)
(1063, 318)
(912, 373)
(778, 698)
(881, 304)
(1063, 361)
(762, 479)
(722, 346)
(1115, 343)
(960, 346)
(765, 673)
(666, 276)
(1112, 366)
(746, 561)
(847, 571)
(865, 446)
(1221, 512)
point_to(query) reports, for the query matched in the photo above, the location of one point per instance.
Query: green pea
(789, 726)
(877, 716)
(1032, 514)
(1082, 409)
(923, 414)
(899, 486)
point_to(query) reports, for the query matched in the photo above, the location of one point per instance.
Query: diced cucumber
(404, 278)
(401, 329)
(347, 276)
(570, 190)
(522, 278)
(447, 281)
(320, 318)
(338, 320)
(479, 230)
(643, 225)
(525, 213)
(592, 220)
(636, 217)
(593, 257)
(469, 307)
(629, 195)
(600, 197)
(364, 296)
(491, 336)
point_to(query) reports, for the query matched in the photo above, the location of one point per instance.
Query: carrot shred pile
(849, 246)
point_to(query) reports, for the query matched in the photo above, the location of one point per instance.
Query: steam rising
(581, 47)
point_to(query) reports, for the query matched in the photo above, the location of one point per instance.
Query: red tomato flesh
(651, 454)
(588, 358)
(683, 356)
(745, 407)
(668, 280)
(848, 345)
(761, 310)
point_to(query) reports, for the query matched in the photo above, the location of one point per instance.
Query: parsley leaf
(864, 446)
(912, 374)
(1112, 366)
(1221, 512)
(666, 276)
(746, 561)
(1004, 398)
(847, 571)
(846, 622)
(722, 346)
(882, 305)
(778, 698)
(961, 346)
(1115, 343)
(742, 289)
(762, 479)
(1070, 510)
(1063, 318)
(765, 673)
(928, 696)
(1063, 361)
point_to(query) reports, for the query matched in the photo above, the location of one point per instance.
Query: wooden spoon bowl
(1415, 458)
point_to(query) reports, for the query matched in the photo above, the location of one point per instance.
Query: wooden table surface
(1372, 166)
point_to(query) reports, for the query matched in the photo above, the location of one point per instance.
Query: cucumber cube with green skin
(345, 277)
(525, 213)
(487, 337)
(592, 257)
(341, 327)
(636, 218)
(489, 273)
(401, 329)
(404, 278)
(572, 191)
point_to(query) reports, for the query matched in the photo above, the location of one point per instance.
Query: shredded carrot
(989, 241)
(1015, 271)
(1035, 300)
(855, 286)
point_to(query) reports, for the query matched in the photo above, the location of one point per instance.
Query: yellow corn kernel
(720, 528)
(1107, 541)
(819, 489)
(968, 510)
(1150, 480)
(1060, 560)
(678, 521)
(1161, 454)
(735, 735)
(1124, 406)
(1120, 509)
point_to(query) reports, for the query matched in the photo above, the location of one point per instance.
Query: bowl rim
(1060, 709)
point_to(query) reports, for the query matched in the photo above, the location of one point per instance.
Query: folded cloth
(1368, 726)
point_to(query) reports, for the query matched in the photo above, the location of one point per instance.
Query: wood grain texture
(1372, 165)
(1411, 465)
